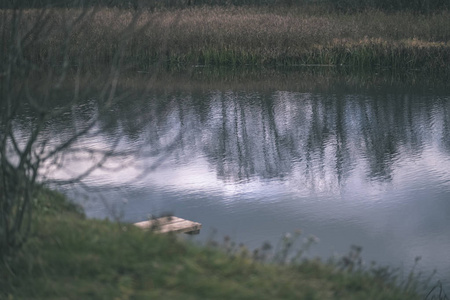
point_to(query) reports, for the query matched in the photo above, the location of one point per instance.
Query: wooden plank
(158, 222)
(170, 224)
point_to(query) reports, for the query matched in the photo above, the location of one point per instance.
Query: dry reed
(240, 35)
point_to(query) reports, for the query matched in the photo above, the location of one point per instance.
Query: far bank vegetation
(372, 37)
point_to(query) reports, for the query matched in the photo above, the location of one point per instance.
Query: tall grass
(417, 6)
(243, 35)
(422, 6)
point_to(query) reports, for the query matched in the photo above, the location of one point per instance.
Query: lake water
(348, 160)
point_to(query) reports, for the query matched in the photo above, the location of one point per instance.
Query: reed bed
(233, 36)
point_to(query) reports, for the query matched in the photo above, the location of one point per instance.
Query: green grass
(71, 257)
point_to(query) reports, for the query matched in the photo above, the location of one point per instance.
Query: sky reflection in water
(371, 169)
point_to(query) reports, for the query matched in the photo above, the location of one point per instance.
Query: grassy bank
(70, 257)
(369, 39)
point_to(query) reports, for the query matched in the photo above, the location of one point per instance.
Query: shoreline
(70, 255)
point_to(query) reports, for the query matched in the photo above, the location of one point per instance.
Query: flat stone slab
(170, 224)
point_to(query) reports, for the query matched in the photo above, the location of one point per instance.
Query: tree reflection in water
(319, 139)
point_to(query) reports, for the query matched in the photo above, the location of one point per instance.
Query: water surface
(365, 163)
